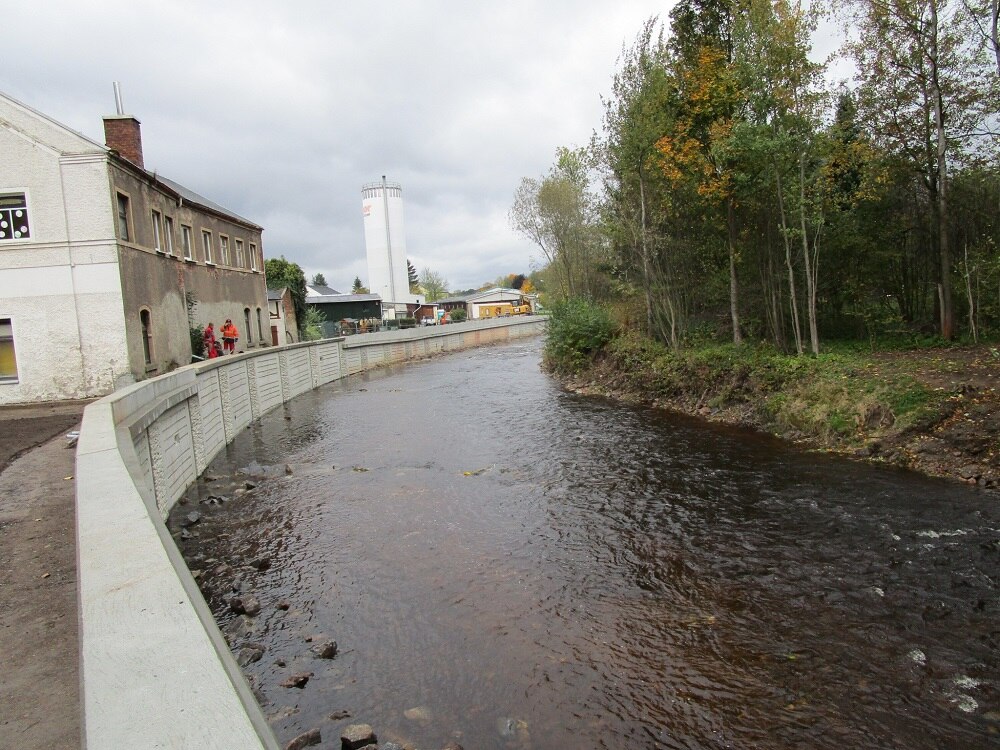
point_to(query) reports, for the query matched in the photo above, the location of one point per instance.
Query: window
(157, 231)
(224, 250)
(260, 327)
(186, 242)
(240, 260)
(206, 244)
(246, 325)
(8, 361)
(123, 233)
(14, 217)
(147, 336)
(253, 257)
(168, 235)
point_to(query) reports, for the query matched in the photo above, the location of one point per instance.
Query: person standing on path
(230, 335)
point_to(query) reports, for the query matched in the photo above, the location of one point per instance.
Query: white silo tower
(385, 245)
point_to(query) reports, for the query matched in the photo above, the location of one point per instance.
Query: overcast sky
(281, 111)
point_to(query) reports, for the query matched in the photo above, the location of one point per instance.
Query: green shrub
(458, 315)
(197, 341)
(577, 329)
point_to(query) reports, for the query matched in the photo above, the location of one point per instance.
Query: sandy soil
(39, 681)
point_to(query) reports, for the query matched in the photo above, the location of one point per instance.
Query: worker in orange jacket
(230, 335)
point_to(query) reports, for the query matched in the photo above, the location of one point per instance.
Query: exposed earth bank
(955, 434)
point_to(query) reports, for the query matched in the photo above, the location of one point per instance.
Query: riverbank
(936, 411)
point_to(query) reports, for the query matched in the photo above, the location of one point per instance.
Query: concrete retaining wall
(155, 670)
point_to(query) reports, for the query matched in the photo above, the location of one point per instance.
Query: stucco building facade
(105, 266)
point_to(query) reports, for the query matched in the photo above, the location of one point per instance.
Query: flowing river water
(507, 565)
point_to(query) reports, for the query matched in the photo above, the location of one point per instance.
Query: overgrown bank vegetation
(734, 193)
(744, 238)
(933, 409)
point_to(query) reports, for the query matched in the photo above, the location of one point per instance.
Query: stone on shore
(297, 680)
(326, 650)
(312, 737)
(245, 605)
(357, 735)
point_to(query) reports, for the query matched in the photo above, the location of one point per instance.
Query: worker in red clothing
(208, 338)
(230, 335)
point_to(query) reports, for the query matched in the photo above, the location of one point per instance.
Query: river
(507, 565)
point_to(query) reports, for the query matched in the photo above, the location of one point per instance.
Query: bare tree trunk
(646, 270)
(970, 297)
(994, 37)
(947, 306)
(734, 308)
(810, 279)
(793, 296)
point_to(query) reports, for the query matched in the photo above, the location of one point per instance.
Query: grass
(842, 398)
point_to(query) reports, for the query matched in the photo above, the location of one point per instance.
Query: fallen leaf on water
(69, 477)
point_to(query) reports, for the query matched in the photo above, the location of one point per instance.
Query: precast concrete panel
(352, 361)
(267, 377)
(172, 450)
(213, 431)
(235, 385)
(326, 367)
(299, 372)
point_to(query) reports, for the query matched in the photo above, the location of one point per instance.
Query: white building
(105, 266)
(385, 247)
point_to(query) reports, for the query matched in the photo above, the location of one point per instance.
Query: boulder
(297, 680)
(312, 737)
(357, 735)
(326, 650)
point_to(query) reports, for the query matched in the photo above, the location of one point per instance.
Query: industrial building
(385, 247)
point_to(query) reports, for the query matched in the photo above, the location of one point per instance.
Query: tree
(358, 287)
(312, 324)
(557, 214)
(435, 286)
(319, 280)
(279, 273)
(411, 272)
(923, 90)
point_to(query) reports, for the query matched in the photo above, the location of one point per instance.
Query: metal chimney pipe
(119, 105)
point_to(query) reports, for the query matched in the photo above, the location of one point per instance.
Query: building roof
(170, 186)
(330, 299)
(490, 292)
(192, 197)
(275, 294)
(319, 290)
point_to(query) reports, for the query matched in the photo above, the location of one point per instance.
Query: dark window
(260, 327)
(246, 325)
(147, 336)
(14, 217)
(123, 233)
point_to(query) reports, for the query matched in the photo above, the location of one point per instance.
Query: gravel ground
(39, 682)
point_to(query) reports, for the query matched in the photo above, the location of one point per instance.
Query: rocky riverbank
(230, 557)
(861, 407)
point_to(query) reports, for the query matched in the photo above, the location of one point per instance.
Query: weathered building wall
(160, 276)
(59, 286)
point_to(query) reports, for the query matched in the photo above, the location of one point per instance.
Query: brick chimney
(122, 134)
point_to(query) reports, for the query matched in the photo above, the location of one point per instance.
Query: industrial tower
(385, 245)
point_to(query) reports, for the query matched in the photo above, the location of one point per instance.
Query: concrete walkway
(39, 681)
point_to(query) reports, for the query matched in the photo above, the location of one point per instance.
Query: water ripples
(519, 567)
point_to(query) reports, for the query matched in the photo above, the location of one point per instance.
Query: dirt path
(39, 681)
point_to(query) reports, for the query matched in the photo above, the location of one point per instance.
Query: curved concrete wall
(155, 670)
